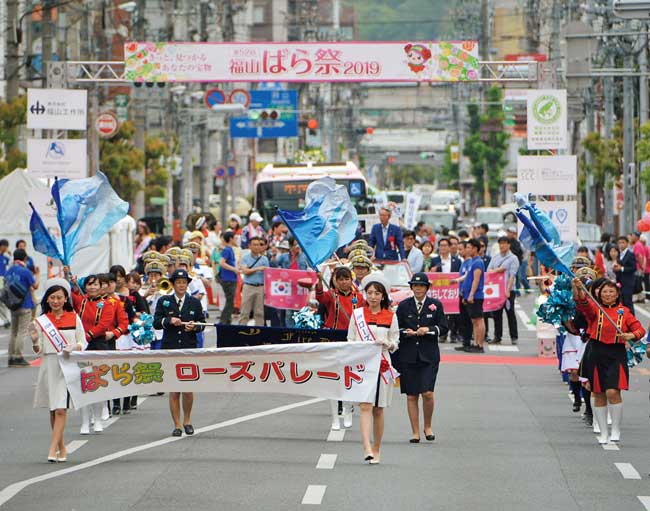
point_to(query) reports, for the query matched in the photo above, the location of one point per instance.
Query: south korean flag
(280, 288)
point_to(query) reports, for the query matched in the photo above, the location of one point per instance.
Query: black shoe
(134, 403)
(494, 341)
(177, 432)
(576, 406)
(589, 419)
(414, 441)
(462, 348)
(513, 342)
(430, 438)
(116, 410)
(18, 362)
(443, 339)
(476, 349)
(189, 429)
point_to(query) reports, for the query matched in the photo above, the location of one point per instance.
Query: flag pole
(600, 308)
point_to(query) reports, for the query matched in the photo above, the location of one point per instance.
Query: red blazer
(602, 330)
(335, 318)
(101, 315)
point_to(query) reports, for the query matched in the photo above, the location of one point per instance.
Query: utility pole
(228, 33)
(12, 47)
(485, 52)
(629, 174)
(204, 140)
(643, 105)
(140, 117)
(589, 113)
(608, 90)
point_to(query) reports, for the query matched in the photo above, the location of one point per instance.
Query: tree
(643, 155)
(12, 116)
(486, 147)
(449, 172)
(405, 176)
(157, 153)
(118, 158)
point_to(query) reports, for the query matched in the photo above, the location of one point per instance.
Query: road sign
(56, 109)
(241, 96)
(220, 172)
(214, 97)
(283, 124)
(122, 107)
(232, 171)
(106, 124)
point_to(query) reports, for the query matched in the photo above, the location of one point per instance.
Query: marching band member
(422, 322)
(340, 300)
(375, 322)
(176, 314)
(57, 330)
(361, 266)
(605, 362)
(154, 272)
(196, 288)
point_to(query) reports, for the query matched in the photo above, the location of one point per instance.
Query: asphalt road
(506, 439)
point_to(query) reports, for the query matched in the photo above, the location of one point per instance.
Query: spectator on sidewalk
(27, 281)
(638, 247)
(413, 254)
(471, 283)
(5, 261)
(505, 262)
(252, 267)
(625, 271)
(228, 275)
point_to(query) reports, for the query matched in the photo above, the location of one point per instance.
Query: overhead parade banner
(338, 370)
(436, 61)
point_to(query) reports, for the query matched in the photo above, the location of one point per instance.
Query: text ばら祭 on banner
(494, 290)
(302, 61)
(338, 370)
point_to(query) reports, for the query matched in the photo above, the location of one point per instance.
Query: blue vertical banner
(271, 114)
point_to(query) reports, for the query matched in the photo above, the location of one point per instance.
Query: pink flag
(442, 289)
(281, 289)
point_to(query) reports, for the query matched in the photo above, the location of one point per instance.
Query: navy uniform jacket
(415, 348)
(436, 264)
(627, 275)
(176, 337)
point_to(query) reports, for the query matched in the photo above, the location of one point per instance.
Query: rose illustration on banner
(417, 56)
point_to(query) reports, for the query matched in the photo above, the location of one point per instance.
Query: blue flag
(328, 221)
(42, 239)
(86, 211)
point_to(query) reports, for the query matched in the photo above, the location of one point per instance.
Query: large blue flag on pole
(42, 238)
(328, 221)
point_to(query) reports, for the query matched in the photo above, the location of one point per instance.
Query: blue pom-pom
(142, 330)
(560, 306)
(305, 318)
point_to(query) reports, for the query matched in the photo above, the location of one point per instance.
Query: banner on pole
(281, 289)
(339, 370)
(494, 287)
(438, 61)
(547, 175)
(411, 209)
(50, 157)
(547, 119)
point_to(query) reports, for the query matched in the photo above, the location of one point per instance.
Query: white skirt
(572, 351)
(51, 391)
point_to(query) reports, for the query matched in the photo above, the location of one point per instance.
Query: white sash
(367, 336)
(52, 333)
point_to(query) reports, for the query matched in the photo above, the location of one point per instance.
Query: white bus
(284, 185)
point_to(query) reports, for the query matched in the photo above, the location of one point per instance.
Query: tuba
(164, 286)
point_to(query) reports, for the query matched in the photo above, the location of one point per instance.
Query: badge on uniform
(429, 315)
(191, 313)
(166, 303)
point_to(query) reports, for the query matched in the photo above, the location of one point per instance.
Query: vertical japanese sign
(439, 61)
(411, 209)
(281, 289)
(547, 119)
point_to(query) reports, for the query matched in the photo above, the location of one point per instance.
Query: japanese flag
(280, 288)
(491, 291)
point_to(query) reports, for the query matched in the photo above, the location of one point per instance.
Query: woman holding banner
(375, 322)
(57, 330)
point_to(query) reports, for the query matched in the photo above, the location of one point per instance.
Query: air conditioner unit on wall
(632, 9)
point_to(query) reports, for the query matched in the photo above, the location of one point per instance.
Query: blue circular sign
(231, 171)
(220, 172)
(214, 97)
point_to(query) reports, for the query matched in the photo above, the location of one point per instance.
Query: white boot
(347, 414)
(85, 420)
(336, 423)
(609, 418)
(616, 412)
(98, 427)
(600, 416)
(105, 415)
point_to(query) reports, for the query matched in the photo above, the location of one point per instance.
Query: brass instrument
(165, 286)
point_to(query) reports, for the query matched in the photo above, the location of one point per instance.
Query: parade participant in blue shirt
(228, 275)
(471, 282)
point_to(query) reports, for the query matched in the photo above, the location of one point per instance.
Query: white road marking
(497, 347)
(336, 436)
(110, 421)
(525, 320)
(627, 471)
(610, 447)
(11, 490)
(74, 445)
(314, 494)
(326, 461)
(642, 311)
(645, 501)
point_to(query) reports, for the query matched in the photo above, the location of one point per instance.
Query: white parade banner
(64, 158)
(564, 215)
(56, 109)
(411, 209)
(547, 175)
(302, 61)
(547, 119)
(337, 370)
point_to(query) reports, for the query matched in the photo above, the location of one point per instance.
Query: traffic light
(426, 155)
(264, 115)
(390, 160)
(312, 124)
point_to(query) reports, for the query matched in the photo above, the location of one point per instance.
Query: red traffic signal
(312, 124)
(370, 130)
(391, 160)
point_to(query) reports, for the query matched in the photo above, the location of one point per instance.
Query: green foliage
(404, 176)
(607, 156)
(643, 154)
(400, 20)
(157, 151)
(487, 157)
(12, 116)
(118, 158)
(449, 172)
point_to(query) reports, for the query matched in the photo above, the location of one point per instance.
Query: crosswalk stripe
(326, 461)
(74, 445)
(627, 471)
(314, 494)
(496, 347)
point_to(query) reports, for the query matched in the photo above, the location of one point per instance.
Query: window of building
(258, 14)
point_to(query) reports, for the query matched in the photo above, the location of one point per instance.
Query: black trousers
(465, 325)
(229, 289)
(512, 319)
(628, 300)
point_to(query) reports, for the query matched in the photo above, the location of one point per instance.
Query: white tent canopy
(19, 188)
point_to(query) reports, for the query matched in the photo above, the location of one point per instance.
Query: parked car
(446, 200)
(589, 235)
(398, 274)
(439, 219)
(493, 217)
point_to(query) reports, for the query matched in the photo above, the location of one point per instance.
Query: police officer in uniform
(421, 322)
(176, 315)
